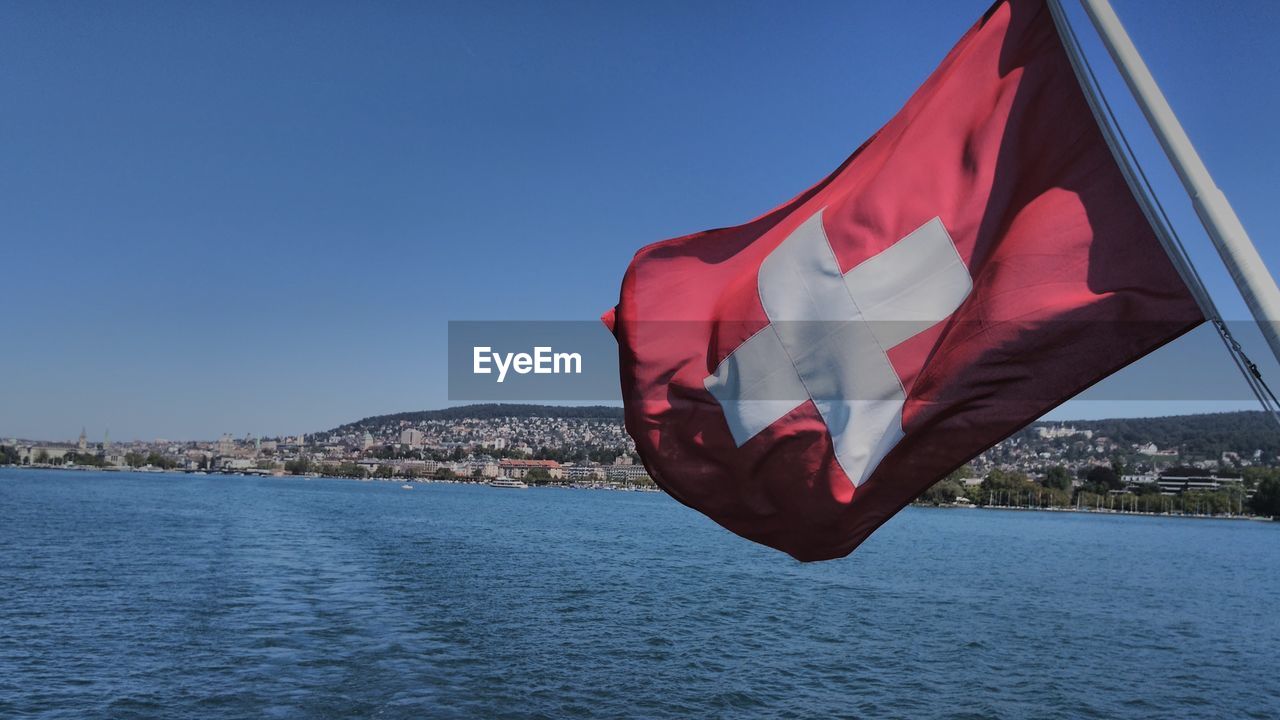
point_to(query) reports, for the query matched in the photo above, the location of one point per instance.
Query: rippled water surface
(163, 596)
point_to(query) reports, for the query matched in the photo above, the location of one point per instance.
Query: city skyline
(1057, 463)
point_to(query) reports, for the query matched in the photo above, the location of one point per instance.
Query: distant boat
(407, 486)
(507, 483)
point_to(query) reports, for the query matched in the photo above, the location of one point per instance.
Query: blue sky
(258, 217)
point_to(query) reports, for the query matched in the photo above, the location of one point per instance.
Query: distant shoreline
(317, 476)
(435, 481)
(1092, 511)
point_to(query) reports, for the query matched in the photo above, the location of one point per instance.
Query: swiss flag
(804, 376)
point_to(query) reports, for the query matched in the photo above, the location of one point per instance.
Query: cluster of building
(583, 450)
(1176, 481)
(558, 450)
(43, 453)
(622, 470)
(1146, 466)
(226, 453)
(1074, 449)
(505, 436)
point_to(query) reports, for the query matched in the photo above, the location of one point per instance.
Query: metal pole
(1238, 253)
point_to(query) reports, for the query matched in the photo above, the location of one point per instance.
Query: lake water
(166, 596)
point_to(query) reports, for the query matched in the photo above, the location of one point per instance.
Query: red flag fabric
(802, 377)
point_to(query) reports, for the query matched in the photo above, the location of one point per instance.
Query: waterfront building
(40, 454)
(628, 473)
(487, 468)
(225, 445)
(583, 472)
(1138, 480)
(1180, 480)
(518, 469)
(1063, 431)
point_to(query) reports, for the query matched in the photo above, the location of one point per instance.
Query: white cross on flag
(830, 333)
(802, 377)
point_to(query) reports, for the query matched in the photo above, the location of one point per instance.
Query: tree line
(1055, 489)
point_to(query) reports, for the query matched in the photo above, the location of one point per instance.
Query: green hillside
(1207, 435)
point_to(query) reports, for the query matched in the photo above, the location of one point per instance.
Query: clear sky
(258, 217)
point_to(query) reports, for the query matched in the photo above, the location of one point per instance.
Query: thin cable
(1246, 366)
(1163, 226)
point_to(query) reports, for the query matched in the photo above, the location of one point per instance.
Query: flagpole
(1220, 221)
